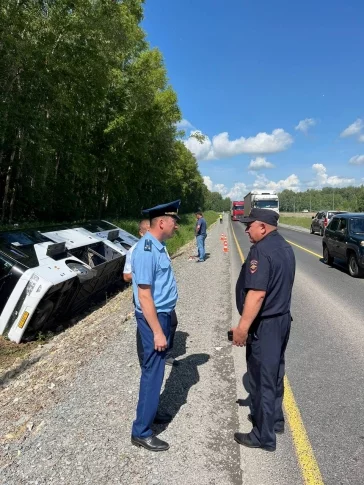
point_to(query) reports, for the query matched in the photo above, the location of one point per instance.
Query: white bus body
(51, 274)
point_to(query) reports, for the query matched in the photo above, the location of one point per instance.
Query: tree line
(347, 199)
(87, 116)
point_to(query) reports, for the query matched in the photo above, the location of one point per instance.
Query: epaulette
(147, 245)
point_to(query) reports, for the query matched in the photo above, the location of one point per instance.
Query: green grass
(185, 233)
(296, 221)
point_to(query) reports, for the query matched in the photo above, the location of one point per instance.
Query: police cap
(169, 209)
(263, 215)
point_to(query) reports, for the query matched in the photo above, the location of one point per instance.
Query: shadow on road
(245, 402)
(339, 265)
(181, 379)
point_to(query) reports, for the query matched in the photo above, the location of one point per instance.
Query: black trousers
(266, 367)
(174, 323)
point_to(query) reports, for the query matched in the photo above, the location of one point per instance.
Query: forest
(329, 198)
(88, 119)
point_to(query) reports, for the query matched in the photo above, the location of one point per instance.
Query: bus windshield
(28, 238)
(266, 204)
(5, 266)
(238, 208)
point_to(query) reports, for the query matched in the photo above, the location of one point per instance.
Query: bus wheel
(41, 315)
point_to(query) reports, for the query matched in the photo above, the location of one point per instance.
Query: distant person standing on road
(155, 296)
(263, 297)
(144, 226)
(201, 234)
(220, 217)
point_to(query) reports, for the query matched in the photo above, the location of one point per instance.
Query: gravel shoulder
(67, 417)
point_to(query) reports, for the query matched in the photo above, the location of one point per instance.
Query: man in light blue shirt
(144, 226)
(155, 296)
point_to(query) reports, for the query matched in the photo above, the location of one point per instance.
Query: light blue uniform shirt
(151, 265)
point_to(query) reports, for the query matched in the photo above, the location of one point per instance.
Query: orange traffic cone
(222, 237)
(225, 247)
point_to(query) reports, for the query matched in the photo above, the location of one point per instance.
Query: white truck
(261, 199)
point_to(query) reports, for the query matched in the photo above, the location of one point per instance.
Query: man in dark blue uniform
(155, 296)
(263, 297)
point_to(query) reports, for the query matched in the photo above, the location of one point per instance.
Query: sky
(276, 87)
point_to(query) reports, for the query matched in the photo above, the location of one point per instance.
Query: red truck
(237, 210)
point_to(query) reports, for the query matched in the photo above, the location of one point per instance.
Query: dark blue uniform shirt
(202, 223)
(270, 266)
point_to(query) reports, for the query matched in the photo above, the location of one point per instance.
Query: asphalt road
(325, 366)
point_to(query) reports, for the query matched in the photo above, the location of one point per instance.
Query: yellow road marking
(309, 467)
(237, 245)
(304, 249)
(306, 458)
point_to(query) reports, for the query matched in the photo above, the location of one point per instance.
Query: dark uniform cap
(263, 215)
(169, 209)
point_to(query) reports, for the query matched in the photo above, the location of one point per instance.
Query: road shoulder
(80, 432)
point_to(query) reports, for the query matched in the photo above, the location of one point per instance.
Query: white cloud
(292, 182)
(322, 179)
(277, 141)
(305, 124)
(208, 182)
(357, 160)
(259, 163)
(361, 139)
(221, 189)
(238, 191)
(185, 125)
(215, 187)
(222, 147)
(202, 151)
(354, 129)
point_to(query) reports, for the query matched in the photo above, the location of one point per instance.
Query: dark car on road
(321, 220)
(344, 239)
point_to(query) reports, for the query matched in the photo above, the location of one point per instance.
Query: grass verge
(296, 221)
(10, 352)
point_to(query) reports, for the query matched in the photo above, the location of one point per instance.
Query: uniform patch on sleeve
(147, 245)
(253, 266)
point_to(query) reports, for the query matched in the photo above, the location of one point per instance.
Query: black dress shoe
(162, 418)
(245, 440)
(278, 428)
(151, 443)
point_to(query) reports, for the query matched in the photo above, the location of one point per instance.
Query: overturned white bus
(46, 275)
(106, 230)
